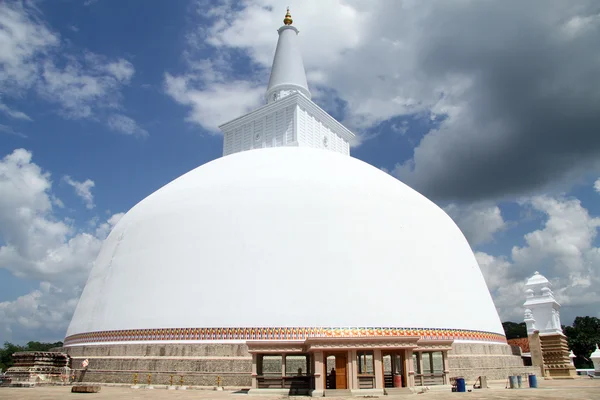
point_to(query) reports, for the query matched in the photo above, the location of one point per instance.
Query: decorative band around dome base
(195, 334)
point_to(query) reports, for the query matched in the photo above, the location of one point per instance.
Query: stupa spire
(288, 18)
(287, 74)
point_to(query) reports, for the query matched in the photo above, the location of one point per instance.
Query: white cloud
(123, 124)
(508, 293)
(80, 88)
(478, 222)
(39, 315)
(564, 243)
(122, 70)
(597, 185)
(563, 249)
(433, 61)
(11, 131)
(218, 103)
(14, 113)
(24, 38)
(33, 61)
(83, 190)
(39, 245)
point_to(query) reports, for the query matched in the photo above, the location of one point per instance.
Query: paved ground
(579, 389)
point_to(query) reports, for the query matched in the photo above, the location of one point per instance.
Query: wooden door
(340, 371)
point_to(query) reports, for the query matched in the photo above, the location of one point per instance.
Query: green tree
(6, 353)
(514, 330)
(583, 337)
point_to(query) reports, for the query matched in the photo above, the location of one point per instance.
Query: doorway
(393, 371)
(336, 364)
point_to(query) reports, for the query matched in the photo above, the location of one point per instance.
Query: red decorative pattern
(179, 334)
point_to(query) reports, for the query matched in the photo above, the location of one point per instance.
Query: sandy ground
(557, 389)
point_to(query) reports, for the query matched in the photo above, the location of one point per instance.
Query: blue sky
(495, 126)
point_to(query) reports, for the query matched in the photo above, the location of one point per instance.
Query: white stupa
(549, 347)
(542, 311)
(287, 238)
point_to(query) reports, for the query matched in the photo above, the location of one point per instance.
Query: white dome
(285, 237)
(537, 279)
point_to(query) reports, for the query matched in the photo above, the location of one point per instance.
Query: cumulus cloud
(32, 62)
(597, 185)
(563, 249)
(213, 92)
(83, 190)
(478, 222)
(39, 315)
(511, 85)
(37, 244)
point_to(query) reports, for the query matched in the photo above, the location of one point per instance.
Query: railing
(366, 381)
(388, 380)
(429, 379)
(296, 384)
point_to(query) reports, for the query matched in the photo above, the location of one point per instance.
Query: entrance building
(356, 365)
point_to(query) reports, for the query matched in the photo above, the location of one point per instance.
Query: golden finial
(288, 18)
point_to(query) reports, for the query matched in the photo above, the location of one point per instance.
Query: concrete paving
(579, 389)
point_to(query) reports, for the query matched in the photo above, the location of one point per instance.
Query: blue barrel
(461, 385)
(519, 381)
(532, 381)
(513, 381)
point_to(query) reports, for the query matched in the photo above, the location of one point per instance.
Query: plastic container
(461, 386)
(512, 381)
(519, 381)
(532, 381)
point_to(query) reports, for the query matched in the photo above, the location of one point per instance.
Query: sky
(491, 109)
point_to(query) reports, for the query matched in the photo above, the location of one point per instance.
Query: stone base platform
(167, 364)
(201, 364)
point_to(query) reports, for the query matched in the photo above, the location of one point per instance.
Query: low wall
(495, 361)
(196, 364)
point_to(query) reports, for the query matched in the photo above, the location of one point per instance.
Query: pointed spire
(287, 74)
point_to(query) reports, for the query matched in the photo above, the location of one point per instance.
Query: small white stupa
(595, 357)
(542, 311)
(548, 343)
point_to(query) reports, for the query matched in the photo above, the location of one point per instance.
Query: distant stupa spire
(288, 18)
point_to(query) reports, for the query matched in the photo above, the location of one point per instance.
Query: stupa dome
(285, 237)
(537, 280)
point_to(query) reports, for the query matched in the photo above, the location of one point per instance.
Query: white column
(283, 365)
(446, 367)
(408, 367)
(377, 365)
(319, 373)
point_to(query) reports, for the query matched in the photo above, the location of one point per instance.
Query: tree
(6, 353)
(514, 330)
(583, 337)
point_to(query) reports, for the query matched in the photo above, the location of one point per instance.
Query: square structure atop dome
(293, 120)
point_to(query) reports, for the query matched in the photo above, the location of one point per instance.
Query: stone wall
(197, 364)
(495, 361)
